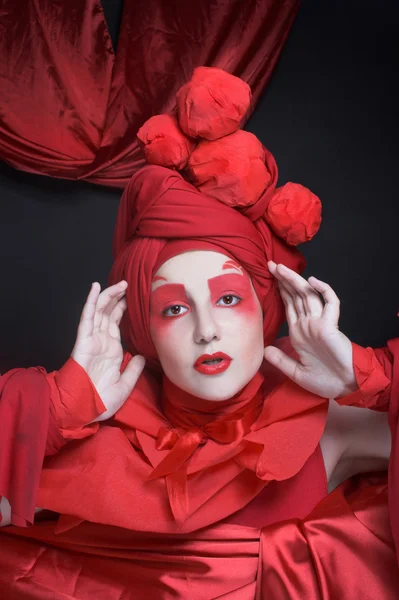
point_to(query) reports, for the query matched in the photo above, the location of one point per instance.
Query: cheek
(162, 335)
(246, 324)
(166, 335)
(248, 308)
(159, 326)
(245, 317)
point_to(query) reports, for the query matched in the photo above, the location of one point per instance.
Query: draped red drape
(71, 108)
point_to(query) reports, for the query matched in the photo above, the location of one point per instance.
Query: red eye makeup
(234, 285)
(167, 296)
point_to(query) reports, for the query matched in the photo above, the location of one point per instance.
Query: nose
(206, 328)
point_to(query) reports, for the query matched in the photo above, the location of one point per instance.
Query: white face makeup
(203, 303)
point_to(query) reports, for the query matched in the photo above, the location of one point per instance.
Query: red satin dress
(290, 540)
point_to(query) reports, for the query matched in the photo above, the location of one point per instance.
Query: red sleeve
(75, 401)
(373, 371)
(38, 413)
(377, 374)
(25, 425)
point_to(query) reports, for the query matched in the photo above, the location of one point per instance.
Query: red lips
(212, 369)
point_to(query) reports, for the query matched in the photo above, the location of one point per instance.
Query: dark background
(330, 117)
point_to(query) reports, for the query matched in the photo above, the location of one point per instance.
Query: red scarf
(189, 463)
(193, 422)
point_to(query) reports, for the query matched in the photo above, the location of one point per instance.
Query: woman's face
(203, 303)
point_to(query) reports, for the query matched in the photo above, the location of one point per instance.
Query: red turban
(162, 215)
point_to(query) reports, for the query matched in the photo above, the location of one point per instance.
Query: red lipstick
(212, 364)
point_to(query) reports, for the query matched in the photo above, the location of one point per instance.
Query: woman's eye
(228, 300)
(175, 311)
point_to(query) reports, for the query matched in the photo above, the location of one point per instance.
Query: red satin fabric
(387, 401)
(280, 545)
(374, 376)
(72, 109)
(183, 566)
(342, 549)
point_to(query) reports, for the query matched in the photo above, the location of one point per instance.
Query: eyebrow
(232, 264)
(211, 282)
(229, 264)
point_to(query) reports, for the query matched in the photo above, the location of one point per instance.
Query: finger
(290, 310)
(311, 300)
(296, 298)
(117, 313)
(287, 365)
(106, 298)
(107, 311)
(115, 318)
(106, 314)
(272, 266)
(283, 282)
(332, 303)
(86, 323)
(130, 376)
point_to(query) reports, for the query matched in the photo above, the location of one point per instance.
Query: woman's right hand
(98, 349)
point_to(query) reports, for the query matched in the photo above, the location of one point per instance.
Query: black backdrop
(330, 117)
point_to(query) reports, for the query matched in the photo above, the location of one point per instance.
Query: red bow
(229, 428)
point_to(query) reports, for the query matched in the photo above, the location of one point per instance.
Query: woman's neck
(184, 409)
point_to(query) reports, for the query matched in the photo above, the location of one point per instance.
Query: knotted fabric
(160, 212)
(193, 421)
(237, 454)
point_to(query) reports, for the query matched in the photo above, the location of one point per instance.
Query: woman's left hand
(324, 364)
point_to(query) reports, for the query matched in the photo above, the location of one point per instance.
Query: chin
(226, 385)
(217, 389)
(214, 387)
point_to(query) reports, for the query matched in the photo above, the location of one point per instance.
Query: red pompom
(294, 213)
(212, 104)
(231, 169)
(164, 142)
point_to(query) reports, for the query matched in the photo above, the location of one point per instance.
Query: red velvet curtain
(71, 108)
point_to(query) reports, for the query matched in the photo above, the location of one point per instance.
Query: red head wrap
(162, 215)
(234, 207)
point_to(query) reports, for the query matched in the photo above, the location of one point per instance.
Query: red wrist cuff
(370, 377)
(75, 400)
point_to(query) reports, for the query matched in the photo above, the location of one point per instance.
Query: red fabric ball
(164, 142)
(231, 169)
(294, 213)
(212, 104)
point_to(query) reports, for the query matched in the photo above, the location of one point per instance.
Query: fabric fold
(28, 433)
(77, 117)
(224, 429)
(202, 480)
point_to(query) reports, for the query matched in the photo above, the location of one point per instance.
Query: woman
(211, 479)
